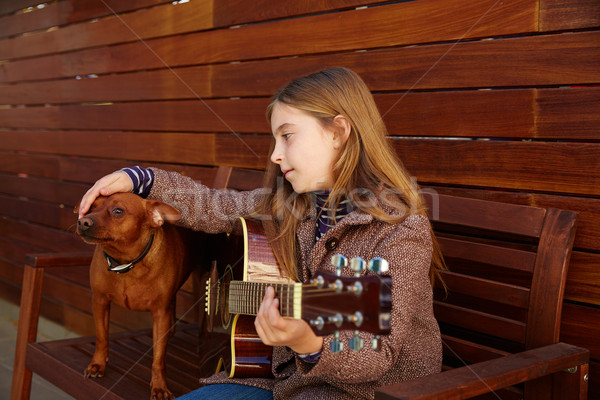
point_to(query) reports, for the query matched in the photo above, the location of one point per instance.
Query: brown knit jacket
(412, 349)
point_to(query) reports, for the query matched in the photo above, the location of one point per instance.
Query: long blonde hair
(366, 168)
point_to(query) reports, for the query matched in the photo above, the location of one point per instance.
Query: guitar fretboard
(245, 297)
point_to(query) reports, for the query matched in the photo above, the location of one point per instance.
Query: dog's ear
(161, 212)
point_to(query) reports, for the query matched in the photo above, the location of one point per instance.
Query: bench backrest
(507, 266)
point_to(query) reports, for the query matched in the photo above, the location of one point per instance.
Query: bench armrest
(488, 376)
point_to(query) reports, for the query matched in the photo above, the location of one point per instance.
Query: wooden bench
(501, 315)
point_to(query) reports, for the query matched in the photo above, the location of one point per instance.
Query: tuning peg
(319, 282)
(356, 343)
(357, 265)
(376, 343)
(339, 261)
(379, 265)
(336, 345)
(318, 322)
(357, 318)
(336, 319)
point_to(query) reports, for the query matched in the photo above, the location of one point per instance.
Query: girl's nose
(276, 156)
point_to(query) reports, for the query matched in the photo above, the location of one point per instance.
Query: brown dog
(139, 263)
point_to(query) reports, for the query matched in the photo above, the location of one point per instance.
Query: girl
(334, 185)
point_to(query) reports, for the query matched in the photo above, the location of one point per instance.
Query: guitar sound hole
(224, 297)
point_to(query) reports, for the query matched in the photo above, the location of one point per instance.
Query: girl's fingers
(105, 186)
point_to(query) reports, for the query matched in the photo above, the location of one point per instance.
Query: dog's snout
(84, 224)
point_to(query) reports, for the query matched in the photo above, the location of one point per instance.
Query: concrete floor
(40, 389)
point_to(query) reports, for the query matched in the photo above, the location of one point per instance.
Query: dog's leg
(160, 336)
(101, 311)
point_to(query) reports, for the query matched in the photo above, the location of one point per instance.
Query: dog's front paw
(161, 394)
(94, 371)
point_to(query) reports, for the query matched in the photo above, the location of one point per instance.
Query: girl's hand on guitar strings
(274, 330)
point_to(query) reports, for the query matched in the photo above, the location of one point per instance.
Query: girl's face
(305, 150)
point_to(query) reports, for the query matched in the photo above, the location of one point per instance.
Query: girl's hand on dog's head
(117, 182)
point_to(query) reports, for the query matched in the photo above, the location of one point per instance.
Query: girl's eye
(286, 136)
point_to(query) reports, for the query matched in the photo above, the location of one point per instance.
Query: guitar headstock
(360, 303)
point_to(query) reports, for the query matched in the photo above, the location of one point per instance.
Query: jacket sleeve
(202, 208)
(408, 248)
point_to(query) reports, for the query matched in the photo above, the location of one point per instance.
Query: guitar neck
(245, 297)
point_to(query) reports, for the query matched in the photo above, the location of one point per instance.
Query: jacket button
(331, 243)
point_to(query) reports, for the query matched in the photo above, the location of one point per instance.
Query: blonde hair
(366, 168)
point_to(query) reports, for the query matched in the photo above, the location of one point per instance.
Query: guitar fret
(245, 297)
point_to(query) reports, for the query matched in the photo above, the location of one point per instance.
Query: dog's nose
(85, 223)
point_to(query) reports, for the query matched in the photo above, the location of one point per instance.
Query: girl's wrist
(309, 347)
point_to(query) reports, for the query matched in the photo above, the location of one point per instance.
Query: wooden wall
(488, 99)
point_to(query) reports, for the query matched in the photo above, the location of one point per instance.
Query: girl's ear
(342, 131)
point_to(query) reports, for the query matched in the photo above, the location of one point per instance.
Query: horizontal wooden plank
(48, 239)
(164, 20)
(64, 12)
(9, 7)
(480, 64)
(454, 113)
(565, 113)
(468, 351)
(569, 14)
(504, 164)
(229, 116)
(14, 251)
(568, 113)
(482, 288)
(235, 12)
(588, 209)
(46, 190)
(481, 322)
(87, 170)
(477, 214)
(583, 279)
(540, 61)
(458, 162)
(579, 326)
(36, 212)
(154, 147)
(395, 24)
(188, 17)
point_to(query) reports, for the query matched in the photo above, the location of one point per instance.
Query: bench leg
(27, 330)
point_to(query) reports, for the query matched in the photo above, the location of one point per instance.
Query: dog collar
(114, 266)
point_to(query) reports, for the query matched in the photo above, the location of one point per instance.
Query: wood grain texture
(569, 14)
(390, 25)
(63, 13)
(163, 20)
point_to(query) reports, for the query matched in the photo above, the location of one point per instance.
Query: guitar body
(242, 255)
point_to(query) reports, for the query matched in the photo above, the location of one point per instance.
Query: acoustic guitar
(244, 266)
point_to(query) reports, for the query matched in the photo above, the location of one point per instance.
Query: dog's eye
(118, 211)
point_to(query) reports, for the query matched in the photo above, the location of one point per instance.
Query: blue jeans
(228, 391)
